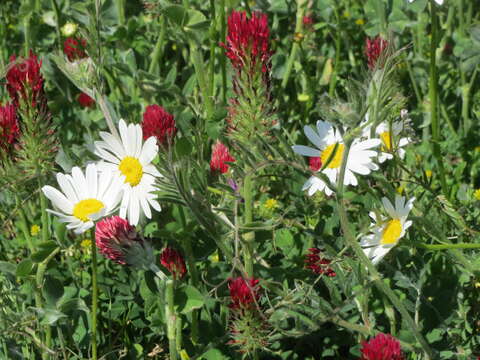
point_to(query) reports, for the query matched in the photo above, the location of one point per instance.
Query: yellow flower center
(387, 141)
(132, 169)
(337, 159)
(84, 208)
(392, 232)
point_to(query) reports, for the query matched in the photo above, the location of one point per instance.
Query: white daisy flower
(439, 2)
(329, 142)
(128, 157)
(387, 231)
(83, 199)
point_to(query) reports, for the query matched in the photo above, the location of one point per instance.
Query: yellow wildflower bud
(477, 284)
(303, 97)
(34, 230)
(360, 22)
(271, 204)
(428, 173)
(400, 189)
(86, 243)
(477, 194)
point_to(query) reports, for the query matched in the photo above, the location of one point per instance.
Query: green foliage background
(168, 53)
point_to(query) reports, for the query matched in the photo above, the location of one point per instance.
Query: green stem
(56, 10)
(171, 319)
(23, 224)
(223, 59)
(433, 93)
(192, 269)
(447, 246)
(154, 67)
(26, 25)
(93, 329)
(120, 4)
(249, 238)
(375, 275)
(213, 46)
(200, 72)
(336, 65)
(296, 44)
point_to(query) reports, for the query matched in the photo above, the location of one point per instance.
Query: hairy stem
(171, 319)
(433, 93)
(93, 329)
(249, 238)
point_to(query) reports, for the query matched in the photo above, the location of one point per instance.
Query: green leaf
(52, 290)
(24, 268)
(8, 268)
(51, 316)
(176, 13)
(183, 147)
(188, 298)
(45, 249)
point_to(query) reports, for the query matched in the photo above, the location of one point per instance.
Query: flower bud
(220, 156)
(172, 260)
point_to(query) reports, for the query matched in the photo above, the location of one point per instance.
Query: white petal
(306, 150)
(134, 208)
(313, 137)
(58, 199)
(145, 207)
(92, 180)
(114, 144)
(124, 204)
(149, 150)
(389, 208)
(122, 126)
(66, 187)
(80, 183)
(100, 150)
(138, 142)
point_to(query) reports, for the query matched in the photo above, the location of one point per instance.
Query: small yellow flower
(34, 230)
(430, 298)
(271, 204)
(477, 284)
(86, 243)
(174, 47)
(477, 194)
(215, 258)
(360, 22)
(400, 189)
(69, 29)
(428, 173)
(346, 14)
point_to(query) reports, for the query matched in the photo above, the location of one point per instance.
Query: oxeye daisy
(130, 157)
(392, 143)
(330, 148)
(387, 231)
(83, 199)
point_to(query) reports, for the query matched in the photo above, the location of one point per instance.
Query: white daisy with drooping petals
(84, 199)
(130, 157)
(330, 148)
(392, 143)
(387, 231)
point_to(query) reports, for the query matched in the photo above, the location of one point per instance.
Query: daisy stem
(248, 219)
(296, 44)
(433, 93)
(171, 319)
(448, 246)
(94, 298)
(375, 275)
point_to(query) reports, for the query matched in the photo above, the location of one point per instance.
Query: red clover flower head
(248, 40)
(114, 236)
(74, 48)
(318, 264)
(24, 80)
(85, 101)
(172, 260)
(374, 50)
(244, 293)
(382, 347)
(9, 130)
(315, 163)
(159, 123)
(220, 155)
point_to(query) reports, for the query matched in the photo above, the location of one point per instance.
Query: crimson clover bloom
(382, 347)
(172, 260)
(220, 156)
(24, 81)
(85, 101)
(159, 123)
(248, 41)
(74, 48)
(9, 130)
(114, 237)
(244, 293)
(374, 49)
(318, 264)
(315, 163)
